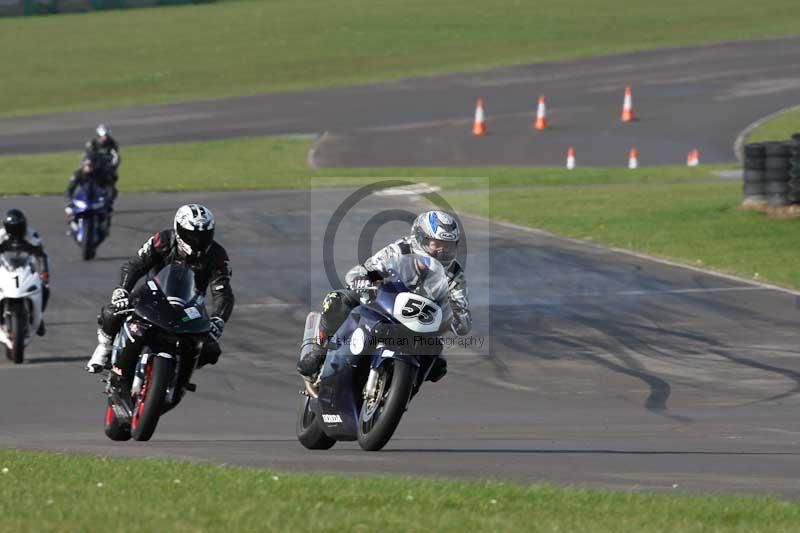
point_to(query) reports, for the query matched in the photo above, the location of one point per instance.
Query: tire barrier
(776, 173)
(754, 187)
(794, 168)
(771, 176)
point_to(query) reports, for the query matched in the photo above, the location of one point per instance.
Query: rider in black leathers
(104, 144)
(190, 240)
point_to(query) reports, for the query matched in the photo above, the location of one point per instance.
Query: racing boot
(41, 330)
(312, 355)
(102, 353)
(312, 350)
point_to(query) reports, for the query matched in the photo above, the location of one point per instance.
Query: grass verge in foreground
(49, 492)
(779, 128)
(116, 58)
(696, 223)
(280, 163)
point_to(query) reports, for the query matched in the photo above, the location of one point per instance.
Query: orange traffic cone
(479, 125)
(633, 159)
(541, 115)
(627, 106)
(693, 159)
(570, 158)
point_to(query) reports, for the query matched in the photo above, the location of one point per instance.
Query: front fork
(174, 391)
(371, 389)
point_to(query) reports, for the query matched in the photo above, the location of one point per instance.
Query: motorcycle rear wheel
(377, 423)
(113, 428)
(309, 429)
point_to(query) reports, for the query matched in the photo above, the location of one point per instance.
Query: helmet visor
(199, 241)
(444, 251)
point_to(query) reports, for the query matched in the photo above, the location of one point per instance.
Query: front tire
(17, 325)
(309, 428)
(378, 421)
(149, 405)
(87, 244)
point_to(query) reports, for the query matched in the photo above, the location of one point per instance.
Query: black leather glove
(217, 325)
(120, 299)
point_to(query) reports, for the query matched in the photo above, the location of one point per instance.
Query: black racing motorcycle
(166, 328)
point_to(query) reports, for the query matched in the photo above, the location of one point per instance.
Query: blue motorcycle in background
(90, 217)
(379, 358)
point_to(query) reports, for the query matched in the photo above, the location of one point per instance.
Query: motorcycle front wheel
(379, 417)
(18, 321)
(87, 244)
(149, 404)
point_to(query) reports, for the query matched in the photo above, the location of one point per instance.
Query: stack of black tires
(772, 173)
(755, 165)
(794, 169)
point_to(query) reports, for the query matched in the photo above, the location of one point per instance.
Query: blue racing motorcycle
(90, 214)
(378, 359)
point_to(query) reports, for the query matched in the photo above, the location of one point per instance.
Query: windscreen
(177, 283)
(424, 276)
(14, 260)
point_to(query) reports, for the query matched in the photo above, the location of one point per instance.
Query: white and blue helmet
(103, 130)
(436, 233)
(194, 230)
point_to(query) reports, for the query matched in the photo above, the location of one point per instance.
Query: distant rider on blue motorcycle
(92, 168)
(434, 234)
(16, 236)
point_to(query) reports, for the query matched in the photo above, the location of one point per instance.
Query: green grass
(116, 58)
(696, 223)
(48, 492)
(275, 162)
(779, 128)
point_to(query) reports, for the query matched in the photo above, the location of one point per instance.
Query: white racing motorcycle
(20, 303)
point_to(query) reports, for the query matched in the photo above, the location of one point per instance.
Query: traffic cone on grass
(570, 158)
(633, 159)
(479, 124)
(693, 159)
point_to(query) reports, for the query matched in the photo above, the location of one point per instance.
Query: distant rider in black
(105, 145)
(92, 168)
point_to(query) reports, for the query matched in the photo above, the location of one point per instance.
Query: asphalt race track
(600, 369)
(694, 97)
(597, 369)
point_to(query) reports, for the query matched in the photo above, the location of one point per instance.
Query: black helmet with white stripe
(15, 224)
(436, 233)
(194, 230)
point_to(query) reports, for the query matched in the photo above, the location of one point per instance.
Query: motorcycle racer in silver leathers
(434, 234)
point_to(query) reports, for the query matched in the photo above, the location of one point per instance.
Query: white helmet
(436, 233)
(102, 130)
(194, 230)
